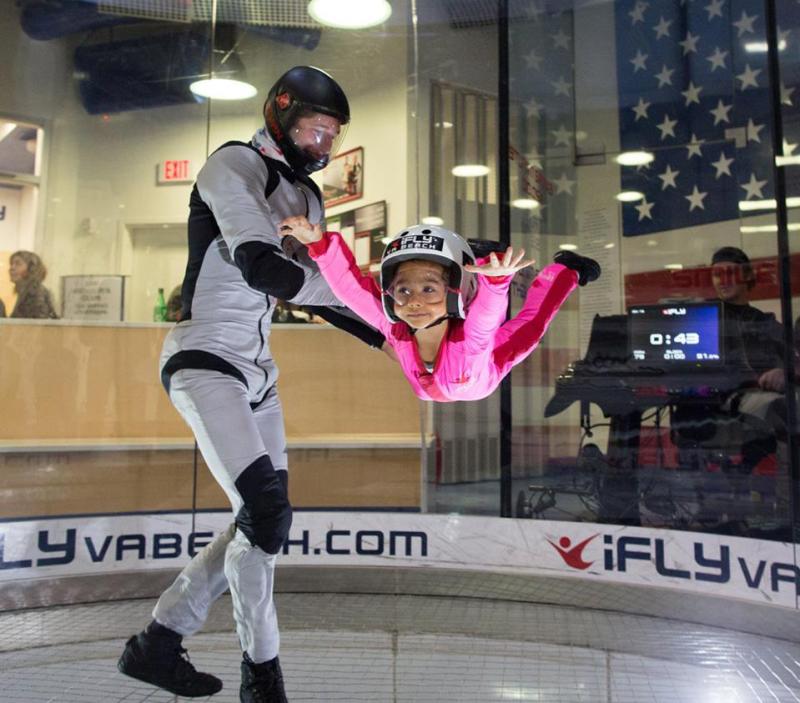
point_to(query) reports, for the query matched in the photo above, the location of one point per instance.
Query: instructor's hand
(301, 229)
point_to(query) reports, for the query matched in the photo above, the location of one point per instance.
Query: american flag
(694, 91)
(542, 126)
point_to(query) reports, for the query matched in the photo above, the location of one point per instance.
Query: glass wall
(642, 136)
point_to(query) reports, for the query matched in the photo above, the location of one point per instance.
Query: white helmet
(437, 244)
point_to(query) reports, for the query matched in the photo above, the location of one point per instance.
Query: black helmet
(305, 91)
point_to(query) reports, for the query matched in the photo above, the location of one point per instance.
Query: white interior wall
(100, 178)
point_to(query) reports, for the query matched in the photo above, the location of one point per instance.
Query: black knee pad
(266, 516)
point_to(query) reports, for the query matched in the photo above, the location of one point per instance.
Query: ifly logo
(689, 561)
(573, 555)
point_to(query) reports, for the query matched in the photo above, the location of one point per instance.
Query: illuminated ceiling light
(610, 245)
(787, 160)
(652, 243)
(470, 170)
(223, 89)
(443, 125)
(760, 47)
(634, 158)
(747, 229)
(6, 129)
(350, 14)
(432, 220)
(745, 205)
(629, 196)
(673, 267)
(568, 247)
(525, 203)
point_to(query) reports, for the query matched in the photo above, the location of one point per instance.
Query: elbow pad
(265, 268)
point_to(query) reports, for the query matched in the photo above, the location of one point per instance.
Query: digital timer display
(675, 332)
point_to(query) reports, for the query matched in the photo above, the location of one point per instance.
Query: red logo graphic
(573, 556)
(283, 100)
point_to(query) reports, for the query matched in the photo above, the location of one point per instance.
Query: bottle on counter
(160, 308)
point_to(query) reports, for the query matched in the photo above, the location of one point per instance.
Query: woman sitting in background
(27, 273)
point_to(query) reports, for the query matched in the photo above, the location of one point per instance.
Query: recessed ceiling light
(223, 89)
(610, 245)
(350, 14)
(673, 267)
(568, 247)
(629, 196)
(634, 158)
(432, 220)
(525, 203)
(470, 170)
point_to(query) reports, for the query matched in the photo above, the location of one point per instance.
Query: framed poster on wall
(93, 298)
(364, 230)
(343, 178)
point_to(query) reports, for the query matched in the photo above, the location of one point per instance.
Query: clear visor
(318, 135)
(430, 293)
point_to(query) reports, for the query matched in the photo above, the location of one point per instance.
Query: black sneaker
(262, 683)
(588, 269)
(160, 660)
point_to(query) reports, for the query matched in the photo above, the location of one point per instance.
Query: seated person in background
(27, 273)
(753, 339)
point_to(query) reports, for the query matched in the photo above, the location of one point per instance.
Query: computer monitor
(676, 334)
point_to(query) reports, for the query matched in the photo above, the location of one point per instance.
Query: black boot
(156, 656)
(588, 270)
(262, 683)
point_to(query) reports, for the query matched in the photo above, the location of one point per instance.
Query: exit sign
(175, 171)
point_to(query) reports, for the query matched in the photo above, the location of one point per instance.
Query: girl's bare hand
(508, 266)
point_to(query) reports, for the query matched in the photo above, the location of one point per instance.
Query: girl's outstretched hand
(301, 229)
(508, 266)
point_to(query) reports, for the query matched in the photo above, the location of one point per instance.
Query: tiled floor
(409, 649)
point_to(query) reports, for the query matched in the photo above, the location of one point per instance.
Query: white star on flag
(788, 149)
(696, 199)
(637, 13)
(748, 77)
(694, 147)
(720, 112)
(745, 24)
(563, 184)
(562, 135)
(665, 77)
(641, 109)
(638, 61)
(668, 178)
(561, 40)
(722, 165)
(561, 86)
(786, 95)
(532, 60)
(689, 44)
(714, 9)
(667, 127)
(662, 28)
(754, 187)
(692, 93)
(717, 59)
(532, 108)
(644, 209)
(754, 131)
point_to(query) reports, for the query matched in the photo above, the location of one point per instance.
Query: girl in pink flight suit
(443, 313)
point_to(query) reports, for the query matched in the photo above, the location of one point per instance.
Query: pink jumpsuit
(476, 353)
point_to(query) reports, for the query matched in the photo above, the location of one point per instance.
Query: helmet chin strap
(432, 324)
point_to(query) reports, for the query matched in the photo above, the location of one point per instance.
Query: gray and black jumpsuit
(219, 372)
